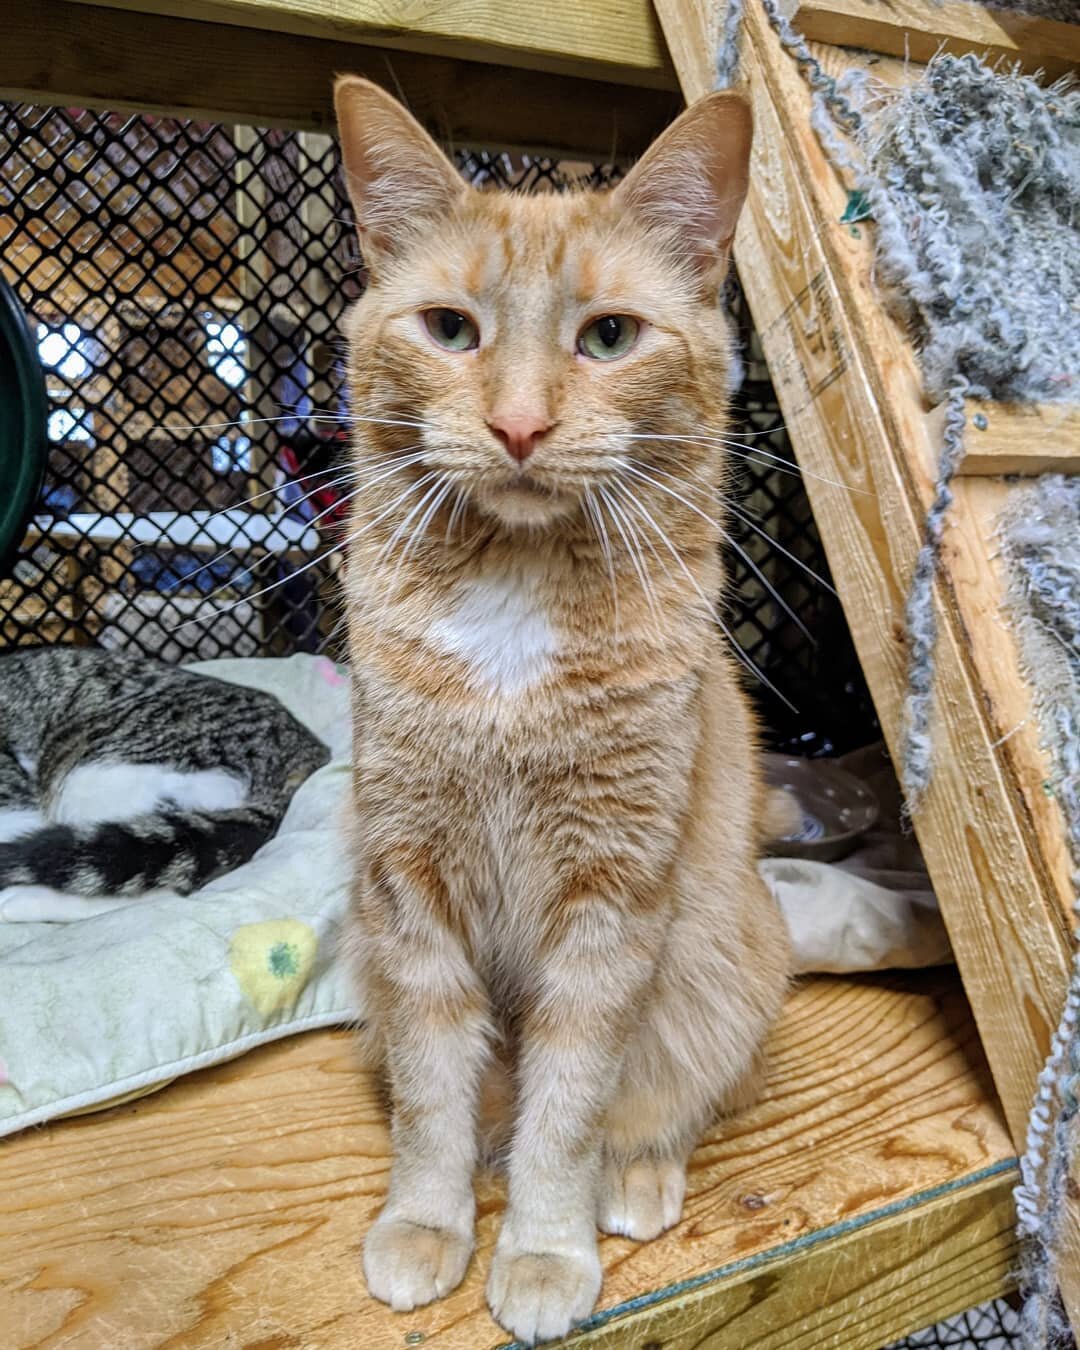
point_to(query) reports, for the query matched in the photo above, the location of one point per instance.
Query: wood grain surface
(916, 29)
(1023, 438)
(60, 52)
(616, 40)
(228, 1210)
(849, 386)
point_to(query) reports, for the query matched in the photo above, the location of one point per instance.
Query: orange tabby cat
(557, 802)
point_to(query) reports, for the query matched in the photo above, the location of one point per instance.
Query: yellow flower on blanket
(272, 961)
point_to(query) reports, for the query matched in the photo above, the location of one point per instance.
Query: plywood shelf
(228, 1209)
(617, 40)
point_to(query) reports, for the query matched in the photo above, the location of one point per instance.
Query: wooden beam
(59, 52)
(1024, 438)
(851, 393)
(916, 29)
(861, 1290)
(617, 40)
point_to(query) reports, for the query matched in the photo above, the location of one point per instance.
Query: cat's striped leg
(432, 1020)
(696, 1051)
(546, 1271)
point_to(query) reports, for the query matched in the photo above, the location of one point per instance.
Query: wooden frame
(62, 52)
(849, 387)
(916, 29)
(1021, 438)
(851, 394)
(605, 40)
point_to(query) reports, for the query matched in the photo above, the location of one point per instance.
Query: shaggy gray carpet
(1040, 537)
(973, 178)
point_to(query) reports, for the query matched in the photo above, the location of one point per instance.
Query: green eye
(456, 332)
(609, 337)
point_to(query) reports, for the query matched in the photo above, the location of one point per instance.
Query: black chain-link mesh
(994, 1326)
(186, 282)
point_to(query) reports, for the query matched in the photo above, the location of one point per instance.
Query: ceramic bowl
(837, 809)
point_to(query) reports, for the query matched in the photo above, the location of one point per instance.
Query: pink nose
(519, 432)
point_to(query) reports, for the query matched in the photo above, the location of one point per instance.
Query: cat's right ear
(691, 182)
(397, 178)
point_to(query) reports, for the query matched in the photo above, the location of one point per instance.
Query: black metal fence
(993, 1326)
(186, 283)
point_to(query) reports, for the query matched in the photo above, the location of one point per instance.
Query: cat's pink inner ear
(398, 180)
(692, 181)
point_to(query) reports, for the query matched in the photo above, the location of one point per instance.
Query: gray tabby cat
(121, 775)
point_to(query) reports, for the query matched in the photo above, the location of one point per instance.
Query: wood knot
(755, 1200)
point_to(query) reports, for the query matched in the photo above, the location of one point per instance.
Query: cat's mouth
(527, 485)
(526, 500)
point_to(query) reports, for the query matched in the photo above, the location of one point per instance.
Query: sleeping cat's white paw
(408, 1264)
(539, 1295)
(640, 1199)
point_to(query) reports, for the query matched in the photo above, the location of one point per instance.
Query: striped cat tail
(167, 850)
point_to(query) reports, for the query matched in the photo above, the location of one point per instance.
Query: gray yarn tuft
(1041, 546)
(727, 56)
(915, 756)
(974, 180)
(1064, 10)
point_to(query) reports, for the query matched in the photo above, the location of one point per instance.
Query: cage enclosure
(185, 278)
(185, 283)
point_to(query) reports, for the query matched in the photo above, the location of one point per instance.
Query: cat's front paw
(539, 1295)
(640, 1199)
(407, 1264)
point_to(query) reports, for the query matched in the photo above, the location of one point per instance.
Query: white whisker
(337, 420)
(775, 543)
(314, 562)
(418, 533)
(781, 464)
(399, 462)
(620, 519)
(734, 543)
(456, 511)
(634, 467)
(710, 605)
(600, 529)
(439, 486)
(402, 525)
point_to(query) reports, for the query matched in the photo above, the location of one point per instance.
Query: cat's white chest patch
(500, 630)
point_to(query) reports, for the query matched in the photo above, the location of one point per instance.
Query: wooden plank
(616, 40)
(1022, 438)
(916, 29)
(855, 1290)
(229, 1208)
(850, 390)
(58, 52)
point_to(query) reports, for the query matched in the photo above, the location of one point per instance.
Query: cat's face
(539, 347)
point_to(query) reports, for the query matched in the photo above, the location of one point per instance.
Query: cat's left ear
(691, 182)
(398, 180)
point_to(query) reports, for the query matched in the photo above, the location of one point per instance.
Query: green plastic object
(24, 425)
